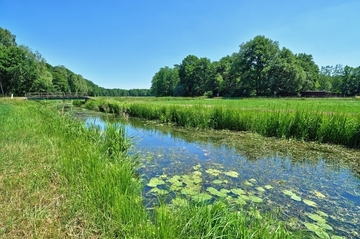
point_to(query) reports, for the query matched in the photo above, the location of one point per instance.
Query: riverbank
(60, 179)
(334, 121)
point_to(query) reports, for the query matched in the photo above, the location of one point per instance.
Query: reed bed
(309, 123)
(60, 179)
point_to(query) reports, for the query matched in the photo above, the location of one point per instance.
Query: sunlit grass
(60, 179)
(335, 121)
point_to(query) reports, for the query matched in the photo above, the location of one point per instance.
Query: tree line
(260, 68)
(23, 71)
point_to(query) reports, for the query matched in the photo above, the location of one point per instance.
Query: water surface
(313, 187)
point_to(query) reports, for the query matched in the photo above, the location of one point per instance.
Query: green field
(332, 120)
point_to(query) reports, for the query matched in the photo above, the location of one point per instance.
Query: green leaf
(288, 192)
(296, 198)
(260, 189)
(268, 187)
(213, 172)
(237, 191)
(316, 217)
(232, 174)
(255, 199)
(310, 203)
(155, 182)
(201, 197)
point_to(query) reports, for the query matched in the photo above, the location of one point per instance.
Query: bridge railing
(50, 95)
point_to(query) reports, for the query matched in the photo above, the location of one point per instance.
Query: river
(312, 187)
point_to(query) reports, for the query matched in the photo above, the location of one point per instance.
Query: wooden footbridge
(56, 96)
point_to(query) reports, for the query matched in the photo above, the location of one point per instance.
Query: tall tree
(286, 75)
(253, 63)
(311, 70)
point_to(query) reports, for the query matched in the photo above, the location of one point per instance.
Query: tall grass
(301, 123)
(60, 179)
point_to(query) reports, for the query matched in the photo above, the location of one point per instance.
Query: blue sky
(123, 43)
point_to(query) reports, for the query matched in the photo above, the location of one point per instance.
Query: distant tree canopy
(22, 71)
(260, 68)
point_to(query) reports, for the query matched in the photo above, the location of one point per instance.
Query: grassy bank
(59, 179)
(333, 121)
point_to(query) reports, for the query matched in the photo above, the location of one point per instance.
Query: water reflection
(311, 184)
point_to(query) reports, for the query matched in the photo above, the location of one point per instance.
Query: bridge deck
(56, 96)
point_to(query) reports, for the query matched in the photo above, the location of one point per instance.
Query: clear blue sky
(123, 43)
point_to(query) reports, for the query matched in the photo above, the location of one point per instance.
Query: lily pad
(318, 231)
(296, 197)
(268, 187)
(319, 194)
(240, 201)
(217, 181)
(247, 183)
(260, 189)
(253, 180)
(215, 192)
(155, 182)
(288, 192)
(213, 171)
(325, 226)
(189, 191)
(310, 203)
(232, 174)
(159, 191)
(173, 179)
(316, 217)
(237, 191)
(321, 213)
(255, 199)
(201, 197)
(244, 197)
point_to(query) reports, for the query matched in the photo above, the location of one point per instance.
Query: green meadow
(60, 179)
(331, 120)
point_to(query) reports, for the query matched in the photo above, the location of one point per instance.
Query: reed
(303, 122)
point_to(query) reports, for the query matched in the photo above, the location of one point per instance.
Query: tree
(253, 63)
(6, 38)
(311, 70)
(286, 75)
(164, 81)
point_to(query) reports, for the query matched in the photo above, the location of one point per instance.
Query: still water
(312, 187)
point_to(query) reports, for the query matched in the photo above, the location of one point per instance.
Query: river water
(312, 187)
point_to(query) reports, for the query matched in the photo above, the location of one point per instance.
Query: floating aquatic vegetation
(218, 181)
(158, 191)
(325, 226)
(310, 203)
(321, 213)
(246, 198)
(240, 201)
(197, 167)
(216, 192)
(232, 174)
(296, 197)
(260, 189)
(319, 194)
(317, 230)
(247, 183)
(253, 180)
(316, 217)
(268, 187)
(155, 182)
(201, 197)
(237, 191)
(214, 172)
(288, 192)
(255, 199)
